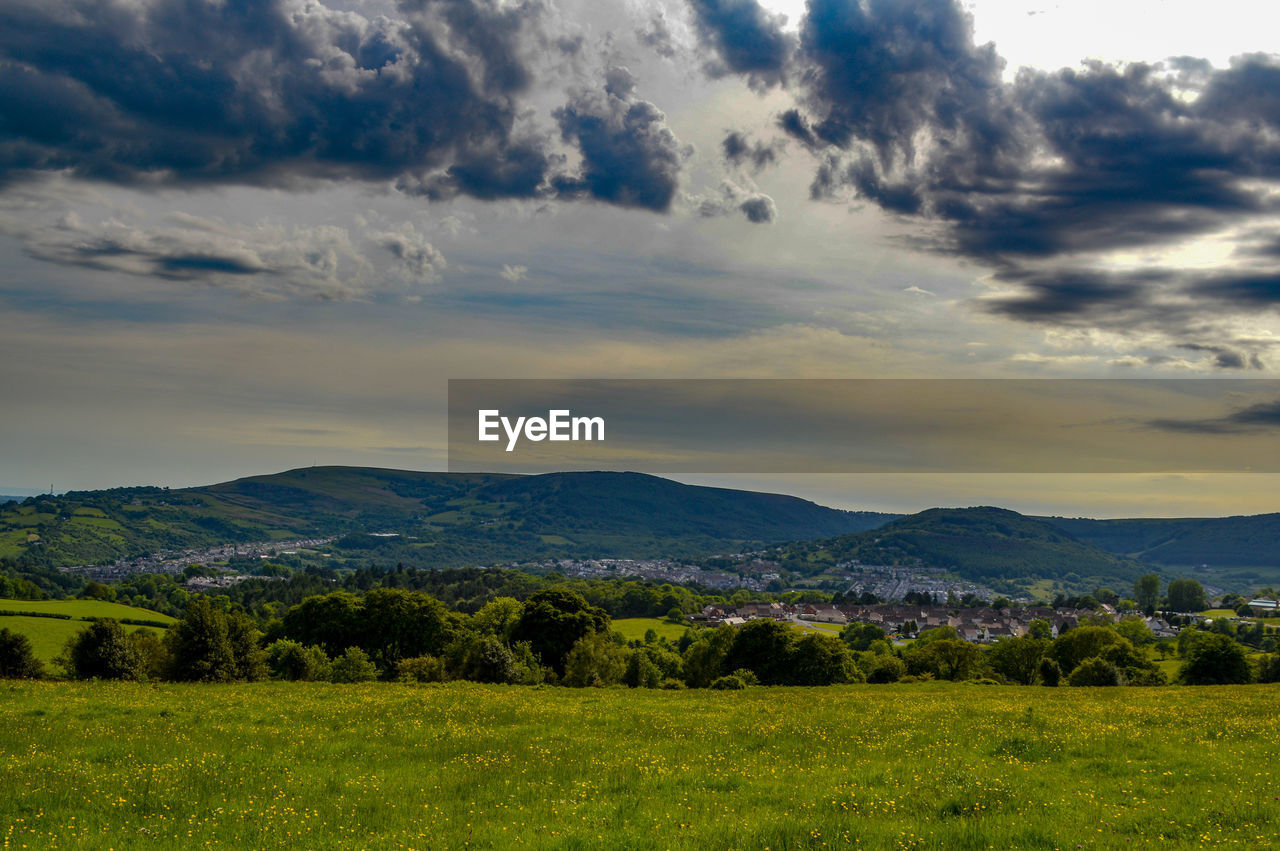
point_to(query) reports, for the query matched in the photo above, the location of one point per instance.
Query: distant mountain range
(445, 519)
(448, 520)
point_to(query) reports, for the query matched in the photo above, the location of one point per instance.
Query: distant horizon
(821, 490)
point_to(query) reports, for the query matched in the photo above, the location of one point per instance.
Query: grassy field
(387, 766)
(635, 628)
(84, 609)
(49, 635)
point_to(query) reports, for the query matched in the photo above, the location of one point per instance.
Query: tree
(1095, 672)
(98, 591)
(820, 660)
(103, 651)
(641, 672)
(1187, 595)
(331, 621)
(200, 646)
(860, 636)
(1269, 668)
(1072, 648)
(595, 661)
(704, 660)
(398, 624)
(945, 659)
(498, 617)
(1146, 591)
(554, 620)
(17, 660)
(1215, 659)
(764, 646)
(243, 635)
(353, 666)
(1050, 672)
(1017, 659)
(1136, 630)
(1040, 628)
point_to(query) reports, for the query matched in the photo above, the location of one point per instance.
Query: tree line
(556, 636)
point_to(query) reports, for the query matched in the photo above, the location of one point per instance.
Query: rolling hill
(1214, 541)
(993, 546)
(442, 519)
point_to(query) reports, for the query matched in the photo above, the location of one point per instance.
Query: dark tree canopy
(1215, 659)
(103, 651)
(553, 621)
(17, 660)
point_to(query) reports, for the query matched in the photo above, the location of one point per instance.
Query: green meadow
(633, 629)
(313, 765)
(49, 635)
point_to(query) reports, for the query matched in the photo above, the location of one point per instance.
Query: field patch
(633, 629)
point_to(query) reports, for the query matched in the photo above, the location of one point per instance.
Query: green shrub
(729, 683)
(1095, 671)
(353, 666)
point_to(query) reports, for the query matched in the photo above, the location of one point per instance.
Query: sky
(240, 237)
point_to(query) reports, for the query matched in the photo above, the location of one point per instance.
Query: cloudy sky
(247, 235)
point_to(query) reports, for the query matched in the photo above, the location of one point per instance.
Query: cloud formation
(1045, 178)
(630, 157)
(745, 39)
(267, 259)
(1264, 416)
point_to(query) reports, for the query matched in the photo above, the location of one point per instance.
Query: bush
(672, 684)
(421, 669)
(353, 666)
(1095, 672)
(17, 660)
(729, 683)
(747, 676)
(1145, 677)
(289, 660)
(1050, 672)
(886, 669)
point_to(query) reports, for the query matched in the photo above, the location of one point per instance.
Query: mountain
(442, 519)
(993, 546)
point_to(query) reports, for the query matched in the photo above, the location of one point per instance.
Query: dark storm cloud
(629, 155)
(759, 209)
(740, 150)
(1264, 416)
(266, 91)
(746, 39)
(1040, 177)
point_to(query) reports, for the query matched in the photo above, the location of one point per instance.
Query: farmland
(49, 635)
(301, 765)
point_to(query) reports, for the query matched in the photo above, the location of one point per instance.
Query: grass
(633, 629)
(49, 635)
(309, 766)
(84, 609)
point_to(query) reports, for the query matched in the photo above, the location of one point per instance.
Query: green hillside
(1214, 541)
(49, 634)
(443, 519)
(987, 545)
